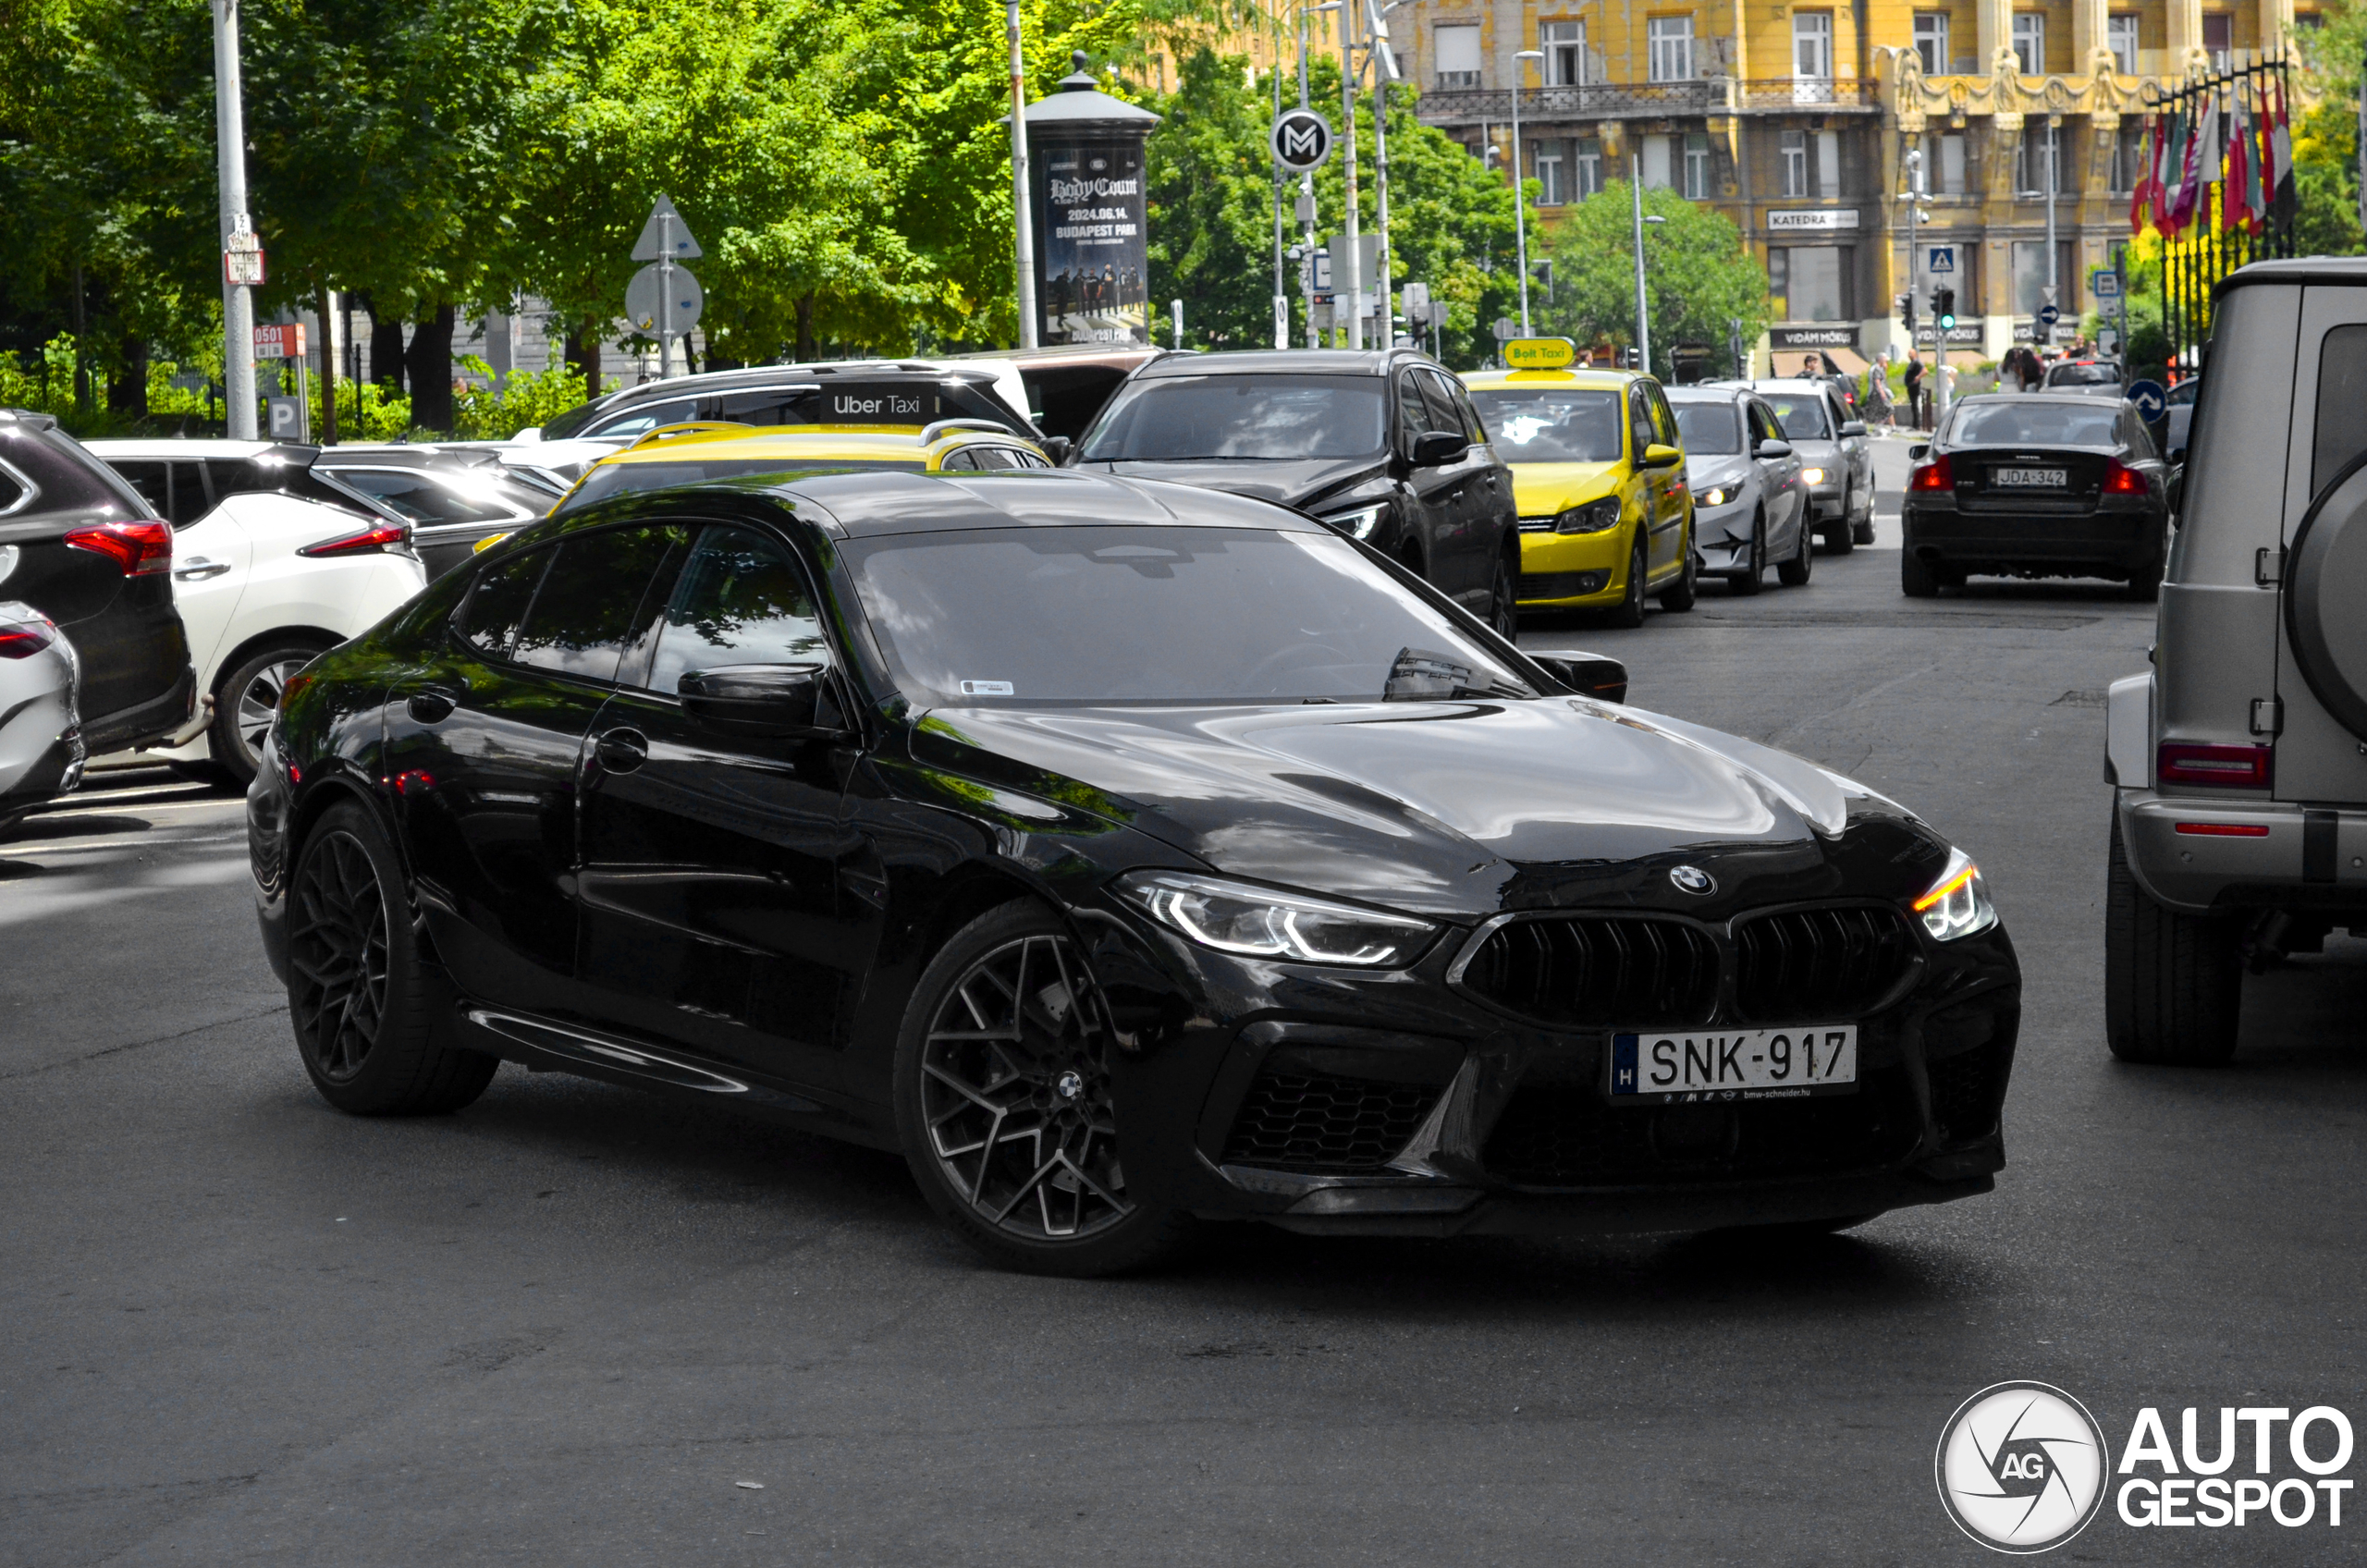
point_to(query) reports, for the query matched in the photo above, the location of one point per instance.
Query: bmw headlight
(1812, 476)
(1716, 496)
(1592, 518)
(1253, 922)
(1360, 523)
(1957, 904)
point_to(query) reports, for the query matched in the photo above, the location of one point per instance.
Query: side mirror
(1435, 446)
(1771, 450)
(1658, 455)
(760, 699)
(1852, 427)
(1918, 452)
(1589, 675)
(1057, 449)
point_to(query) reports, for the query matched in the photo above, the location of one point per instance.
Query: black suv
(857, 392)
(78, 544)
(1382, 444)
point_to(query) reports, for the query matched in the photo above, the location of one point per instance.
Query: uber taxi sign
(1539, 353)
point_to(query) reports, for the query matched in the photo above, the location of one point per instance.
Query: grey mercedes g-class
(2239, 819)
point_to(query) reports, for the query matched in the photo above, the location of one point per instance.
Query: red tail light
(1937, 474)
(2119, 481)
(23, 639)
(143, 549)
(2221, 767)
(378, 538)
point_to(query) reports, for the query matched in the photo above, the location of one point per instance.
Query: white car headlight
(1812, 476)
(1253, 922)
(1361, 522)
(1957, 904)
(1716, 496)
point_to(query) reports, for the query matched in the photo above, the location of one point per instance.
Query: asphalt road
(574, 1324)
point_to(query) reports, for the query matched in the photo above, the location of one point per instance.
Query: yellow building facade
(1795, 120)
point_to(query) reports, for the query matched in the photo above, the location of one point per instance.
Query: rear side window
(175, 489)
(2342, 405)
(14, 491)
(740, 600)
(496, 611)
(589, 603)
(72, 478)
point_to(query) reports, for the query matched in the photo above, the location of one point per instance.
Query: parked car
(453, 501)
(276, 559)
(891, 392)
(84, 550)
(1382, 444)
(2083, 378)
(1749, 505)
(695, 454)
(2177, 417)
(2035, 484)
(2238, 757)
(1836, 456)
(41, 734)
(1069, 384)
(1121, 853)
(1599, 475)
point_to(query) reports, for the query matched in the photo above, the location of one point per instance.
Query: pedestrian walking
(1914, 393)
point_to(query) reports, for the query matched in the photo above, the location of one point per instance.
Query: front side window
(496, 609)
(1092, 615)
(1552, 425)
(1931, 41)
(586, 609)
(1671, 48)
(2029, 42)
(1456, 53)
(1565, 53)
(1274, 417)
(1639, 420)
(740, 600)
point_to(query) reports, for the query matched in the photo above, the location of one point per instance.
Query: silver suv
(2239, 822)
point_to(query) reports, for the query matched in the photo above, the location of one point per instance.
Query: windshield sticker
(987, 688)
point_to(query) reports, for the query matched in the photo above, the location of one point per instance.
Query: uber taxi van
(1606, 518)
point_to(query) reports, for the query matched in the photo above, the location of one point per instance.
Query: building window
(1671, 48)
(2120, 32)
(2218, 37)
(1931, 41)
(1812, 46)
(2031, 160)
(1655, 150)
(2127, 154)
(1952, 165)
(1589, 166)
(2308, 21)
(2029, 42)
(1697, 166)
(2029, 278)
(1828, 163)
(1779, 284)
(1812, 282)
(1456, 50)
(1796, 163)
(1545, 163)
(1565, 53)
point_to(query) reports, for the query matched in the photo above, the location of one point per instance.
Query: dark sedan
(2036, 485)
(1123, 854)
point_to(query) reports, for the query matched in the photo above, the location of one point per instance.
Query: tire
(1679, 595)
(1039, 1062)
(1915, 578)
(1503, 600)
(2172, 982)
(1749, 583)
(244, 700)
(364, 1008)
(1795, 572)
(1862, 533)
(2145, 581)
(1630, 612)
(1837, 537)
(199, 772)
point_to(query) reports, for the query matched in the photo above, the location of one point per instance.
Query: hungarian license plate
(2030, 478)
(1748, 1064)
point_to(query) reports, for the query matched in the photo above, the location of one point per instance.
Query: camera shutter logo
(2021, 1467)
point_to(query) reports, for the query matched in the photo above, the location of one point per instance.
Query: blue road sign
(1940, 258)
(2149, 400)
(2049, 315)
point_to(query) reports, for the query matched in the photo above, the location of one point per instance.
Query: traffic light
(1944, 307)
(1631, 358)
(1905, 306)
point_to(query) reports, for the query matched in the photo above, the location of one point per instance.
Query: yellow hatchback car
(1606, 518)
(686, 454)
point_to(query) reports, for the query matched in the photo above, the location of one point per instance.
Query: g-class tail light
(1937, 474)
(143, 549)
(2217, 767)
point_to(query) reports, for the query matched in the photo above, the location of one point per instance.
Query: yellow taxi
(686, 454)
(1606, 518)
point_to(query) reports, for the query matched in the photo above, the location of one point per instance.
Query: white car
(272, 564)
(40, 736)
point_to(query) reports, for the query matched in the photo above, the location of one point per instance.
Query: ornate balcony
(1646, 100)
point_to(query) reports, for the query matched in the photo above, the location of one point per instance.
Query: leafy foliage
(1697, 277)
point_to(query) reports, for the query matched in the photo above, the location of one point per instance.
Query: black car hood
(1293, 481)
(1450, 808)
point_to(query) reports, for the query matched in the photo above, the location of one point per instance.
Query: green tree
(1697, 277)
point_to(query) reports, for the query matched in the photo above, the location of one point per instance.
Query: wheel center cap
(1068, 1085)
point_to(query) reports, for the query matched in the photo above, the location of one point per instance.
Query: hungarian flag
(2235, 210)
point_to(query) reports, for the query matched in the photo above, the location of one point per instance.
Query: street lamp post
(1643, 317)
(1352, 289)
(238, 304)
(1023, 224)
(1520, 202)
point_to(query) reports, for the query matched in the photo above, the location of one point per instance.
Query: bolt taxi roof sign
(1539, 353)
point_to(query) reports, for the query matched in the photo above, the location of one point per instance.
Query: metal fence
(2207, 248)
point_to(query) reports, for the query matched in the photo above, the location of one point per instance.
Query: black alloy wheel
(1503, 600)
(362, 1010)
(1003, 1103)
(244, 701)
(1630, 612)
(1678, 596)
(1748, 583)
(1795, 572)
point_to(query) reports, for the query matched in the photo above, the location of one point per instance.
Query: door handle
(199, 569)
(432, 704)
(621, 751)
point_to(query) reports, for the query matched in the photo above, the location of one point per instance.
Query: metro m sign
(280, 342)
(1301, 140)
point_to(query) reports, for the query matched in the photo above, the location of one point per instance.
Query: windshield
(1710, 429)
(1552, 425)
(1802, 414)
(1095, 615)
(1191, 418)
(2012, 422)
(2083, 375)
(624, 479)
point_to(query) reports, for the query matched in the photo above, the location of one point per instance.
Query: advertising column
(1085, 158)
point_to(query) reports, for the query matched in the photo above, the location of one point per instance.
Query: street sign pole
(238, 304)
(1352, 289)
(1022, 221)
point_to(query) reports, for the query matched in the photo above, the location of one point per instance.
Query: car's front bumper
(1721, 536)
(1574, 570)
